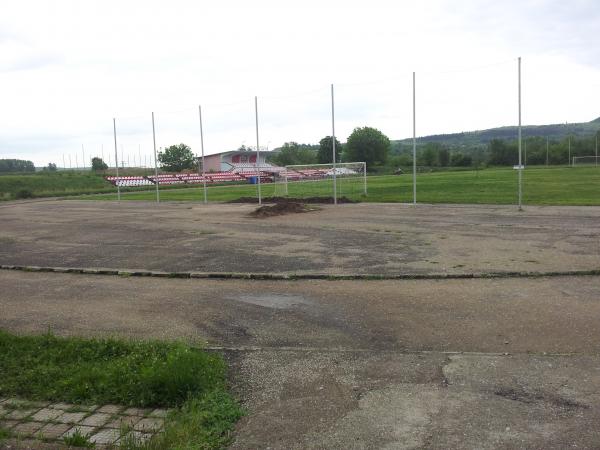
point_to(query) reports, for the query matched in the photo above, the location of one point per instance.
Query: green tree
(51, 167)
(427, 156)
(503, 153)
(98, 164)
(369, 145)
(293, 153)
(176, 158)
(16, 165)
(325, 152)
(443, 157)
(460, 160)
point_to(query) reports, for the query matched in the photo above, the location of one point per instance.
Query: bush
(23, 193)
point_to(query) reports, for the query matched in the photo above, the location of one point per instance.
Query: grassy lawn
(142, 374)
(541, 186)
(46, 184)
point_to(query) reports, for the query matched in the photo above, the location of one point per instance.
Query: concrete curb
(292, 277)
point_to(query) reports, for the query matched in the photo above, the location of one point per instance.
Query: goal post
(316, 180)
(586, 160)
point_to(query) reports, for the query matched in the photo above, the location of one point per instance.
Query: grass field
(541, 186)
(45, 184)
(143, 374)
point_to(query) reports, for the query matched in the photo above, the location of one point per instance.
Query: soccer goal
(586, 160)
(322, 180)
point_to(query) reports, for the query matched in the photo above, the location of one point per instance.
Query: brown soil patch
(319, 200)
(279, 209)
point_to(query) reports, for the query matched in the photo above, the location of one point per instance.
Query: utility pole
(596, 149)
(333, 147)
(257, 149)
(202, 149)
(520, 168)
(117, 161)
(414, 143)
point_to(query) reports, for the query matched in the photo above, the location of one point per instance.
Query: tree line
(370, 145)
(16, 165)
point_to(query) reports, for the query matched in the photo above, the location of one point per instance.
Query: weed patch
(141, 374)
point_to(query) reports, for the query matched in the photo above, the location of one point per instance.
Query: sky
(67, 68)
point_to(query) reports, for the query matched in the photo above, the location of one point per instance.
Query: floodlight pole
(117, 161)
(83, 156)
(155, 161)
(333, 146)
(257, 149)
(414, 143)
(202, 147)
(596, 149)
(102, 150)
(70, 166)
(520, 168)
(64, 165)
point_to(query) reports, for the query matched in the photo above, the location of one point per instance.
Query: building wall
(219, 162)
(212, 163)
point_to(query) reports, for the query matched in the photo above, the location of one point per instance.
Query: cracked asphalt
(359, 238)
(504, 363)
(467, 364)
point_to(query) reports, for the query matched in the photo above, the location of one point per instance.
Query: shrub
(23, 193)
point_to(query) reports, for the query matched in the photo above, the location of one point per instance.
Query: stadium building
(236, 161)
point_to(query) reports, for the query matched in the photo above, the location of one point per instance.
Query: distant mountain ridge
(482, 137)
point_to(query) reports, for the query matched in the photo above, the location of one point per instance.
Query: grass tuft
(142, 374)
(78, 439)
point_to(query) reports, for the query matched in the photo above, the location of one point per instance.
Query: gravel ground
(347, 239)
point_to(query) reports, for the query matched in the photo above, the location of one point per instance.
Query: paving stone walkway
(104, 425)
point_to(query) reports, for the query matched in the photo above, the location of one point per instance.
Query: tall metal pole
(257, 149)
(596, 149)
(102, 151)
(520, 168)
(76, 162)
(70, 166)
(414, 142)
(140, 155)
(83, 156)
(155, 162)
(365, 178)
(333, 147)
(202, 148)
(64, 165)
(117, 161)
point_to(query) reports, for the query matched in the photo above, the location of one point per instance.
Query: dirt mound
(313, 200)
(279, 209)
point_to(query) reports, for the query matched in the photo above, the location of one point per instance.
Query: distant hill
(482, 137)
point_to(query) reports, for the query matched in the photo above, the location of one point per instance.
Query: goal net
(322, 180)
(585, 160)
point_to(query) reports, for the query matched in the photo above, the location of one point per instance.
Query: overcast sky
(68, 67)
